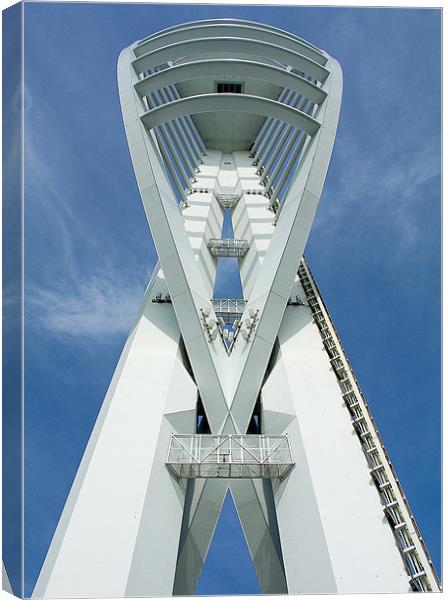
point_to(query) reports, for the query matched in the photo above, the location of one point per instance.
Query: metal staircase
(395, 506)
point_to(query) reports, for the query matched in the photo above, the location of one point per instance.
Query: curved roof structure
(277, 77)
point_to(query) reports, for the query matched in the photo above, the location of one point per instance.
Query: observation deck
(228, 200)
(228, 247)
(230, 456)
(229, 309)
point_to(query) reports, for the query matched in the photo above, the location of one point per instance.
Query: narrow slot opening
(202, 424)
(229, 87)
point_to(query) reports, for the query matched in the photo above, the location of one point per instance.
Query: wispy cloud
(78, 283)
(388, 190)
(384, 173)
(383, 177)
(103, 305)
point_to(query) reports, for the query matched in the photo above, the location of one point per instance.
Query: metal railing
(231, 456)
(229, 309)
(228, 247)
(228, 200)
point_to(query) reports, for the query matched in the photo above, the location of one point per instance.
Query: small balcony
(228, 200)
(228, 247)
(229, 309)
(230, 456)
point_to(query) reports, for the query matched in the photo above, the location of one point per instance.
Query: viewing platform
(230, 456)
(228, 247)
(228, 200)
(229, 309)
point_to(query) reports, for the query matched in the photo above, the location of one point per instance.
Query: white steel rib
(253, 395)
(244, 103)
(230, 45)
(241, 30)
(260, 27)
(232, 67)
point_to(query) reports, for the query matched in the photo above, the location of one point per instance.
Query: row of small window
(229, 87)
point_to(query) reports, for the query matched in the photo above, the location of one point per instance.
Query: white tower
(254, 395)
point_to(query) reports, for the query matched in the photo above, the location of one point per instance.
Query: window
(226, 87)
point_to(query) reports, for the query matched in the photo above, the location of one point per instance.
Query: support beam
(238, 30)
(232, 45)
(236, 68)
(203, 103)
(263, 26)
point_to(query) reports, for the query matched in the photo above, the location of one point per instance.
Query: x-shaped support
(229, 385)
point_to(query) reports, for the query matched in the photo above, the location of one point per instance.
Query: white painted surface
(97, 546)
(349, 545)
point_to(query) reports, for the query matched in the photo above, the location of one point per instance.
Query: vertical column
(203, 217)
(252, 220)
(330, 518)
(97, 552)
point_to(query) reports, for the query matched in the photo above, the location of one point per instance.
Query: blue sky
(374, 248)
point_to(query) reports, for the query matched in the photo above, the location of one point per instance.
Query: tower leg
(335, 537)
(203, 504)
(254, 502)
(119, 531)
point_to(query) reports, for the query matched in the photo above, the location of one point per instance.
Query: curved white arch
(230, 45)
(240, 68)
(241, 30)
(230, 102)
(235, 22)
